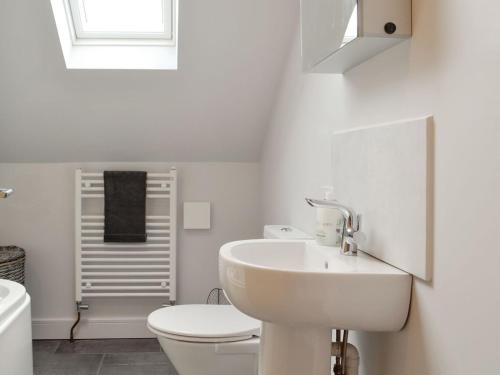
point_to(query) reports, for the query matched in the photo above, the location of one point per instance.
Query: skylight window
(122, 19)
(118, 34)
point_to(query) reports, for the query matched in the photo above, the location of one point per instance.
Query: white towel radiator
(125, 269)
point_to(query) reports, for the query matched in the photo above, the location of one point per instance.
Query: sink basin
(301, 291)
(301, 283)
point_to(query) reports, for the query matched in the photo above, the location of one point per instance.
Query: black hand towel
(124, 206)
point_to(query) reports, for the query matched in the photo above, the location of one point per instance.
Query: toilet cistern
(351, 223)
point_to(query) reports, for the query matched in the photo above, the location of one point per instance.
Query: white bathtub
(16, 357)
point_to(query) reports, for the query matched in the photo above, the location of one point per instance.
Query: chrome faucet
(4, 193)
(351, 223)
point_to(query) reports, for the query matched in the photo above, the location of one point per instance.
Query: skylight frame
(81, 36)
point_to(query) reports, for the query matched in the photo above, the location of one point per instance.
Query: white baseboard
(44, 329)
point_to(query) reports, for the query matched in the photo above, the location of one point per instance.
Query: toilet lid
(204, 322)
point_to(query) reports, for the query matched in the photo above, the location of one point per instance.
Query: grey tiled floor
(100, 357)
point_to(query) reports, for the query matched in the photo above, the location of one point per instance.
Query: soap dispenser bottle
(329, 222)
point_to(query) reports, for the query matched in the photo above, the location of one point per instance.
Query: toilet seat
(203, 323)
(192, 339)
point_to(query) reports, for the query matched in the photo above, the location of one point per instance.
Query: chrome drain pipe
(348, 355)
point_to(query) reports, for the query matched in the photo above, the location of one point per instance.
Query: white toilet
(213, 339)
(207, 339)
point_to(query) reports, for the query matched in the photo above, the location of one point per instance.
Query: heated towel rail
(125, 269)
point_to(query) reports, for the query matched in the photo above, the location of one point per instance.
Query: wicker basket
(12, 263)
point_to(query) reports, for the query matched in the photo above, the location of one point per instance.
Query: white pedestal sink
(301, 291)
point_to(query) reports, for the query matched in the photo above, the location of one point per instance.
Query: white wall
(230, 58)
(40, 218)
(449, 69)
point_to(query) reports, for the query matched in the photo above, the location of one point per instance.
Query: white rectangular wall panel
(196, 215)
(383, 173)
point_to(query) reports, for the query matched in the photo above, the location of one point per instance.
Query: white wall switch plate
(196, 215)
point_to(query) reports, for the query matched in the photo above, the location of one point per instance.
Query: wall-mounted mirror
(340, 34)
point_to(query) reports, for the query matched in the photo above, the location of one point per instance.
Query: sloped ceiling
(214, 108)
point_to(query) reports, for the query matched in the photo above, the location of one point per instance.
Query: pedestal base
(286, 350)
